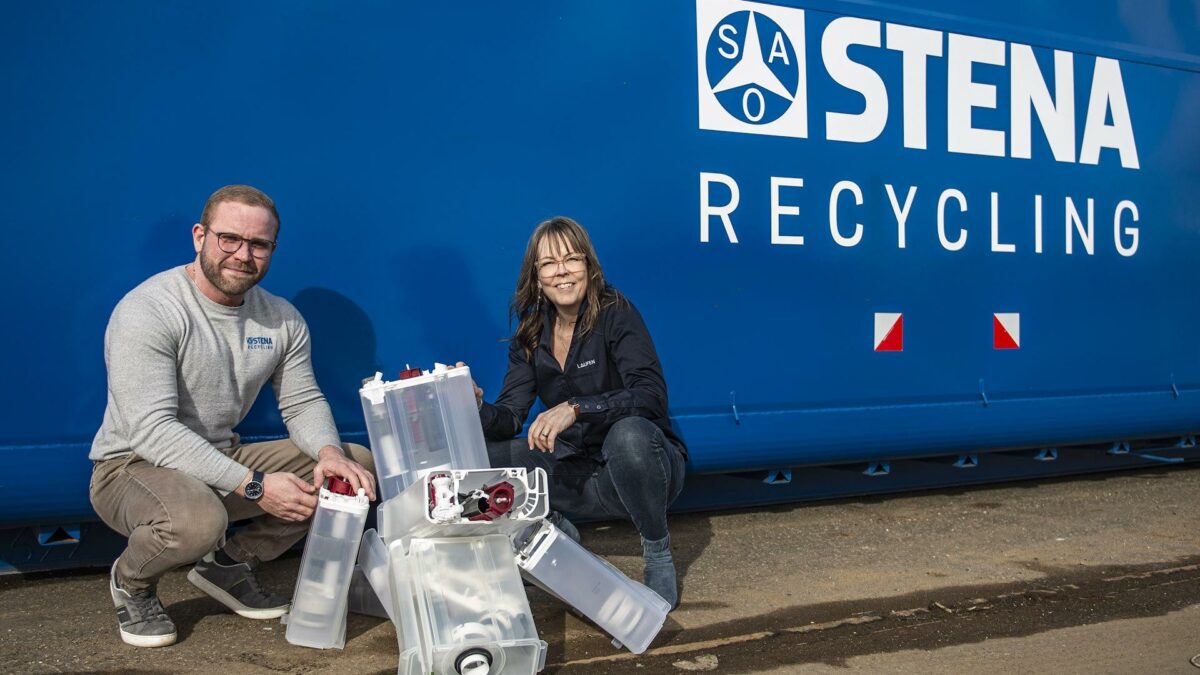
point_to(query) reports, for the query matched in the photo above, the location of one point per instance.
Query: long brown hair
(529, 305)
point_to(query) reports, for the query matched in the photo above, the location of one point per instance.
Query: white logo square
(751, 68)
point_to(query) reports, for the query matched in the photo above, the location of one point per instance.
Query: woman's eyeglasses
(573, 263)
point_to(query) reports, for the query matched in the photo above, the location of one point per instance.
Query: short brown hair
(242, 194)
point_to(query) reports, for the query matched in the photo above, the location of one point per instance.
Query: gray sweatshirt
(184, 370)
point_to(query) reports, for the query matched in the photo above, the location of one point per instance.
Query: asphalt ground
(1093, 574)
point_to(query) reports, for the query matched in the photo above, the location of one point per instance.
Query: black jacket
(613, 372)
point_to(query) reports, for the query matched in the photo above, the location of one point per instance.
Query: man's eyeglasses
(232, 243)
(574, 263)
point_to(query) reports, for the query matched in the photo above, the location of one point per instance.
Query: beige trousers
(173, 519)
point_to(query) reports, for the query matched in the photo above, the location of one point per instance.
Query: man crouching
(187, 352)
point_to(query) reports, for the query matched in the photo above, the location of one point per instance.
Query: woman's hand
(549, 425)
(478, 391)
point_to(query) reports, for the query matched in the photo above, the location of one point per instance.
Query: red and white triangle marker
(1006, 331)
(889, 332)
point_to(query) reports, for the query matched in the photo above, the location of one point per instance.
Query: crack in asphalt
(959, 615)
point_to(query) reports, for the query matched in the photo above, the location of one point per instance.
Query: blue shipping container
(860, 232)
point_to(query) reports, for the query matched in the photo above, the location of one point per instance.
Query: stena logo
(259, 343)
(751, 68)
(989, 97)
(753, 80)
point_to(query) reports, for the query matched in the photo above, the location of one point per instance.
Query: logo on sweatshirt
(585, 364)
(259, 343)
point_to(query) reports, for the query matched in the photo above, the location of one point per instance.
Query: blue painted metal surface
(411, 149)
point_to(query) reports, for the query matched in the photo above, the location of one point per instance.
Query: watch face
(254, 490)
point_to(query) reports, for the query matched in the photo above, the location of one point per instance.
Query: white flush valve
(445, 500)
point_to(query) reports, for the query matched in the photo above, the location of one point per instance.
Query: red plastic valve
(341, 487)
(497, 501)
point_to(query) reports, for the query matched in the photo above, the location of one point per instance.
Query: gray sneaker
(143, 621)
(237, 588)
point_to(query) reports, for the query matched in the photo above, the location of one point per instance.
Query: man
(187, 353)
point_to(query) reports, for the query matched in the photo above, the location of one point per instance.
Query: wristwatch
(574, 406)
(254, 489)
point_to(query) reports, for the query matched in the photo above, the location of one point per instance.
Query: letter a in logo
(751, 68)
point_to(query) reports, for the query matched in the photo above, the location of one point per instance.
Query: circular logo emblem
(751, 67)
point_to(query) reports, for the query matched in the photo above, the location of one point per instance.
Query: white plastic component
(373, 389)
(461, 597)
(357, 503)
(474, 664)
(630, 612)
(318, 614)
(445, 506)
(412, 515)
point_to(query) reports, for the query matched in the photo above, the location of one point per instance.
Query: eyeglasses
(232, 243)
(574, 263)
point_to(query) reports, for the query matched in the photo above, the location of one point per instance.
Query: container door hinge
(778, 477)
(1046, 455)
(1119, 448)
(1124, 448)
(966, 462)
(875, 469)
(58, 535)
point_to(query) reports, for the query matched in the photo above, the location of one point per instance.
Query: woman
(605, 440)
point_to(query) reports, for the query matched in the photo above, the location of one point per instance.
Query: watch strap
(254, 489)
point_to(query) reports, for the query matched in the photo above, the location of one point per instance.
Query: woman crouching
(605, 441)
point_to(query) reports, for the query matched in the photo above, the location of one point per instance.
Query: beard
(235, 286)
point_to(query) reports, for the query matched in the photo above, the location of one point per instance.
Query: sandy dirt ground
(1094, 574)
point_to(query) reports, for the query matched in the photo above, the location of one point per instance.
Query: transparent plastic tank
(425, 421)
(461, 608)
(437, 421)
(373, 565)
(385, 446)
(318, 613)
(409, 633)
(362, 598)
(630, 612)
(466, 503)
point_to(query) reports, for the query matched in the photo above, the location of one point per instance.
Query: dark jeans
(639, 474)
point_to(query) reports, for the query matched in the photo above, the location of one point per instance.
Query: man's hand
(549, 425)
(285, 496)
(332, 461)
(478, 391)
